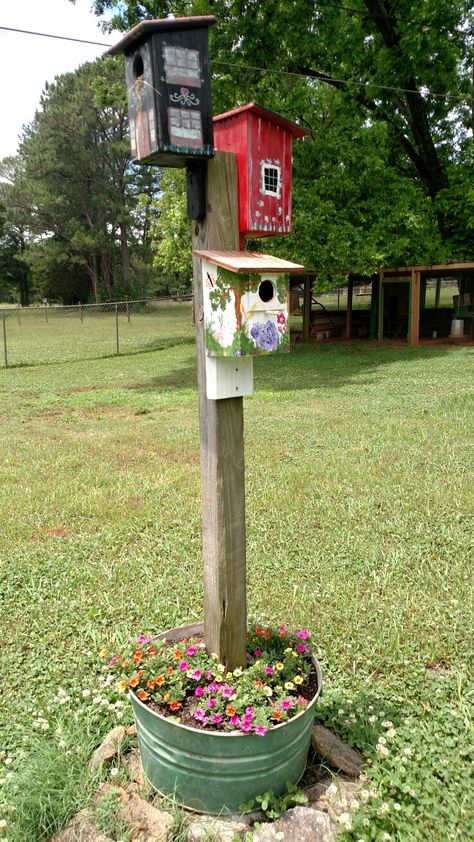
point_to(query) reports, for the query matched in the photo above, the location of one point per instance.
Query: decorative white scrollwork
(184, 98)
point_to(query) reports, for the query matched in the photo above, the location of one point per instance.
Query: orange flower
(142, 695)
(276, 714)
(137, 657)
(134, 681)
(125, 663)
(267, 634)
(230, 711)
(258, 630)
(170, 670)
(175, 705)
(150, 683)
(177, 655)
(152, 651)
(166, 697)
(259, 684)
(160, 680)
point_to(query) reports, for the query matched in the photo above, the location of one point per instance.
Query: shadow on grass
(331, 365)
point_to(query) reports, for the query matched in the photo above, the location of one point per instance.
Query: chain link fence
(46, 334)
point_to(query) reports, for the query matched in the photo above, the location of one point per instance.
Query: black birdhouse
(169, 90)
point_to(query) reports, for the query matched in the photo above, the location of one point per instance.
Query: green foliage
(171, 234)
(275, 805)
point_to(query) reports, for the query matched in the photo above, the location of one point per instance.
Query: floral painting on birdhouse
(245, 315)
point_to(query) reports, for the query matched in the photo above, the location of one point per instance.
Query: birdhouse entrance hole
(138, 66)
(266, 291)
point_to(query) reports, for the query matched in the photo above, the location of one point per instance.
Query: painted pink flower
(303, 634)
(260, 730)
(281, 318)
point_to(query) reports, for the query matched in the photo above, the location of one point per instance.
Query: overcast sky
(28, 61)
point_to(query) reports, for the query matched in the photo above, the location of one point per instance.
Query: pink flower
(198, 692)
(302, 700)
(208, 675)
(281, 318)
(249, 710)
(301, 648)
(269, 670)
(195, 675)
(260, 730)
(246, 726)
(217, 718)
(286, 704)
(211, 703)
(281, 629)
(113, 660)
(212, 688)
(183, 666)
(303, 634)
(191, 651)
(257, 653)
(200, 715)
(227, 692)
(234, 720)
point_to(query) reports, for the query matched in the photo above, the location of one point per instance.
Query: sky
(28, 61)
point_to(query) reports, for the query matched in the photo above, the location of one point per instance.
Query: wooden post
(437, 292)
(307, 301)
(350, 287)
(414, 336)
(222, 445)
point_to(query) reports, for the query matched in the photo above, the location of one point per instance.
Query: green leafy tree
(385, 89)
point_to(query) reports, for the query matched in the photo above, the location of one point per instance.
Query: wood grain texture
(222, 446)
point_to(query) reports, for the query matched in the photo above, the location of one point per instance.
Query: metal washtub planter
(214, 772)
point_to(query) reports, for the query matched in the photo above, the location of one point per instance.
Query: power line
(349, 82)
(59, 37)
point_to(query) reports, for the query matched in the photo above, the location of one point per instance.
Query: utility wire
(60, 37)
(456, 97)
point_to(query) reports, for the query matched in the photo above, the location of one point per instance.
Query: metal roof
(145, 28)
(252, 107)
(249, 261)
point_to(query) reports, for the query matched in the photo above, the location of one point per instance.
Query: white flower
(345, 820)
(397, 806)
(382, 741)
(354, 805)
(341, 712)
(8, 761)
(114, 772)
(387, 724)
(45, 726)
(384, 809)
(386, 837)
(382, 751)
(407, 751)
(364, 795)
(391, 734)
(267, 691)
(3, 823)
(62, 744)
(86, 694)
(372, 719)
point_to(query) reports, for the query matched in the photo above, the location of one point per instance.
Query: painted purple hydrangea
(266, 336)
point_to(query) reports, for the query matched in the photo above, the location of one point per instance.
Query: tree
(385, 88)
(80, 189)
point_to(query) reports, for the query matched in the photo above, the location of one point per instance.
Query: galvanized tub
(214, 772)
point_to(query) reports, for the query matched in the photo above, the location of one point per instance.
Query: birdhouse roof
(249, 262)
(271, 116)
(145, 28)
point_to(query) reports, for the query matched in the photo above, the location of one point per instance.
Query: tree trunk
(125, 256)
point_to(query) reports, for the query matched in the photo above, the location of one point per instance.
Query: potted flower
(215, 738)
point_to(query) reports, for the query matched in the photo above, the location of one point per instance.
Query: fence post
(18, 313)
(127, 309)
(46, 311)
(338, 297)
(5, 351)
(81, 315)
(117, 329)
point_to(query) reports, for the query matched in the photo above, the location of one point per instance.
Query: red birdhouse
(262, 142)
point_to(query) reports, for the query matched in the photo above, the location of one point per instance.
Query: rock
(132, 731)
(300, 824)
(133, 765)
(82, 828)
(213, 829)
(339, 798)
(148, 824)
(108, 749)
(336, 752)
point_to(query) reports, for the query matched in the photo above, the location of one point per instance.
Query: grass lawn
(360, 471)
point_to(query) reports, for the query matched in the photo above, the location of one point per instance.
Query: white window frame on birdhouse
(265, 166)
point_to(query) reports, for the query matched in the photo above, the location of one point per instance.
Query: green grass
(41, 336)
(359, 526)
